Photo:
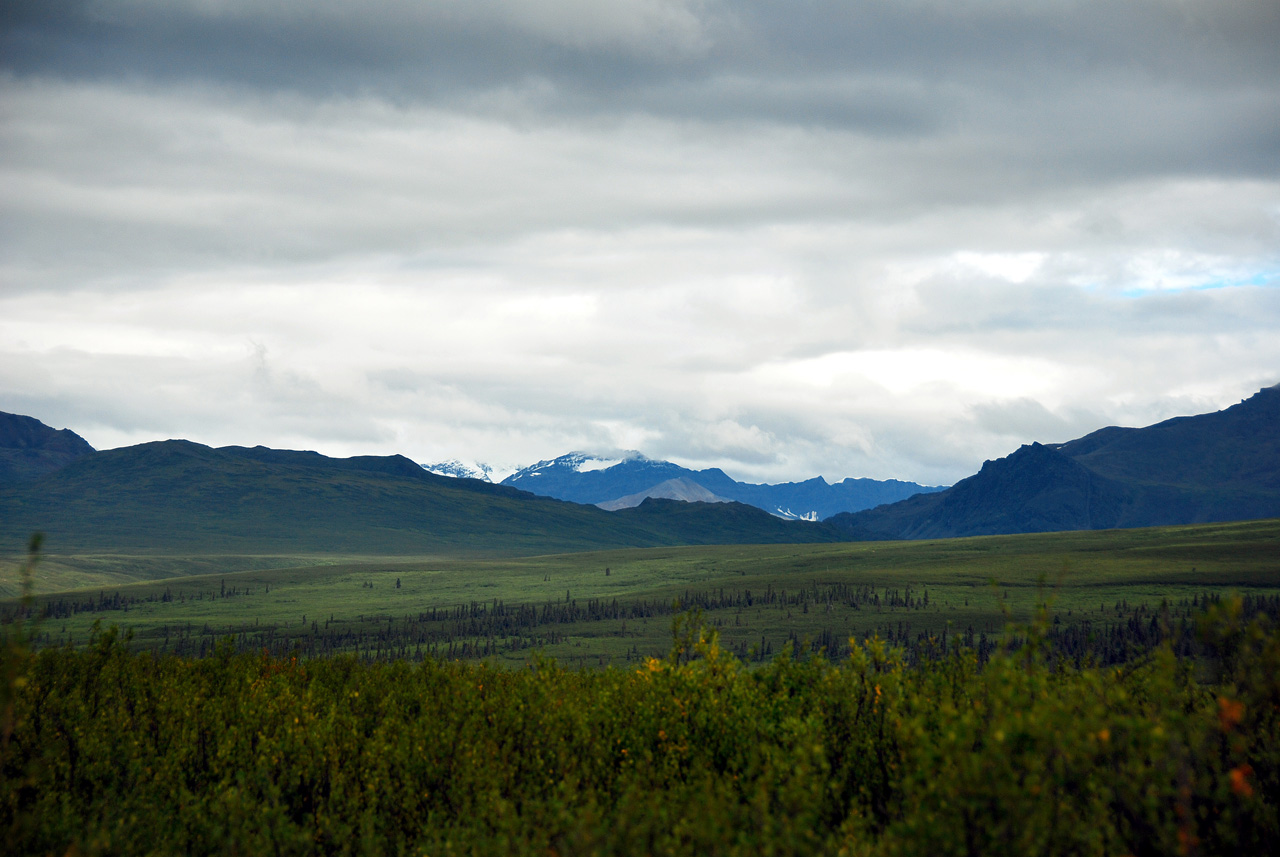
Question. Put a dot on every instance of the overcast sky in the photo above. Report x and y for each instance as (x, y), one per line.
(783, 237)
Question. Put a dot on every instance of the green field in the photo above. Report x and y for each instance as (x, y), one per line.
(966, 734)
(595, 608)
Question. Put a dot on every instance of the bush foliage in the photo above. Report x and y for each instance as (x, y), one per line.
(111, 751)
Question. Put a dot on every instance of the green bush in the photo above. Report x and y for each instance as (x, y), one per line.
(118, 752)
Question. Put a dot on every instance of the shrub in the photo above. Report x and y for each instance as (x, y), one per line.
(118, 752)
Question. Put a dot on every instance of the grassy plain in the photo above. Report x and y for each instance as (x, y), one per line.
(615, 606)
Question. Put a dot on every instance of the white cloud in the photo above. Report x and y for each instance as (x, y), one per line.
(912, 370)
(1014, 267)
(851, 241)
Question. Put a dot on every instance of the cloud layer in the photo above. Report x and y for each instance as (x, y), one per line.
(884, 239)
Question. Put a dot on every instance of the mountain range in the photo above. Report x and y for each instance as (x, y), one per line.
(179, 496)
(183, 497)
(613, 481)
(1223, 466)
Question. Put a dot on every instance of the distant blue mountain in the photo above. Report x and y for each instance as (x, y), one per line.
(584, 478)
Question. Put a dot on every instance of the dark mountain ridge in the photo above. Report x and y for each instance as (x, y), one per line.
(1223, 466)
(30, 449)
(179, 496)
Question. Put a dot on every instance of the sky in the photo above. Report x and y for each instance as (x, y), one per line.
(788, 238)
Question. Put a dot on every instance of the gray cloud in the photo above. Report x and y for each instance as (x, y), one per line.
(880, 238)
(1145, 85)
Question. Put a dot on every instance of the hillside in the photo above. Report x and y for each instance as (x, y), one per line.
(673, 489)
(582, 478)
(184, 497)
(1223, 466)
(30, 449)
(697, 523)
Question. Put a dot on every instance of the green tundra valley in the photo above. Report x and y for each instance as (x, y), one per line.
(1103, 692)
(615, 607)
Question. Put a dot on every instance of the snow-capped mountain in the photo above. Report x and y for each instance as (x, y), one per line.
(599, 478)
(464, 470)
(584, 477)
(578, 462)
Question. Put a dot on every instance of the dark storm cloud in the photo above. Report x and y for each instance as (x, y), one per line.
(882, 66)
(989, 100)
(324, 42)
(399, 49)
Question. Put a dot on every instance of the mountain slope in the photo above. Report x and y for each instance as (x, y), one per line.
(180, 496)
(1222, 466)
(680, 488)
(584, 478)
(723, 523)
(816, 499)
(30, 449)
(1239, 446)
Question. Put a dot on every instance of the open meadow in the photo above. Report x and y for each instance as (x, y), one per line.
(615, 607)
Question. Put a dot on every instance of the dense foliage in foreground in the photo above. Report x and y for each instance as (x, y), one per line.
(110, 751)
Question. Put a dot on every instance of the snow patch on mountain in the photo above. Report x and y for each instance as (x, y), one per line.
(789, 515)
(459, 469)
(578, 462)
(598, 464)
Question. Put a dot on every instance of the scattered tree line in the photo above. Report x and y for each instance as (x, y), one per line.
(1110, 635)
